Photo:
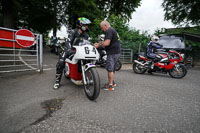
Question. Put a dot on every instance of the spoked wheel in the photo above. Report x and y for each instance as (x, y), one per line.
(139, 69)
(92, 88)
(179, 71)
(118, 65)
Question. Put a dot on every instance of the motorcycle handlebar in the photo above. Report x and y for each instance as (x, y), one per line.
(59, 45)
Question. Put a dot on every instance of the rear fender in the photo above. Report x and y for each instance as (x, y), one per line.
(142, 57)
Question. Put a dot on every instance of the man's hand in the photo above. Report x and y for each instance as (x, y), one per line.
(96, 45)
(100, 44)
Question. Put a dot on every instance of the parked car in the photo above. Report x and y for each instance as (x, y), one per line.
(172, 41)
(176, 42)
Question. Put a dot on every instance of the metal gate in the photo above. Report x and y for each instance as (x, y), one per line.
(13, 59)
(126, 56)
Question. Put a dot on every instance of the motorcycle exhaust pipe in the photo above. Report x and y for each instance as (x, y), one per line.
(135, 61)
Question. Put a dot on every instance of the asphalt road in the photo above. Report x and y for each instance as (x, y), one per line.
(140, 103)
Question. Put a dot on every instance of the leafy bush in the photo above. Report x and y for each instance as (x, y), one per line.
(129, 37)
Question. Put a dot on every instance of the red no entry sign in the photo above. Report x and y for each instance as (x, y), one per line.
(24, 38)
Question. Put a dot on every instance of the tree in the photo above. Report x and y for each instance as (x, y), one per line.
(58, 8)
(8, 9)
(43, 15)
(182, 12)
(118, 7)
(36, 15)
(80, 8)
(129, 38)
(31, 14)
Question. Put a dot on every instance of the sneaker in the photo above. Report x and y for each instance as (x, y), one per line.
(114, 84)
(56, 86)
(109, 88)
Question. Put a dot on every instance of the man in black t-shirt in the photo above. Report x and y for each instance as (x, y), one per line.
(112, 47)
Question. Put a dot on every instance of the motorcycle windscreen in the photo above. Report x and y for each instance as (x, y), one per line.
(172, 42)
(81, 41)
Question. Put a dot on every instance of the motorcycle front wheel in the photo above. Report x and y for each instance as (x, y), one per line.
(178, 71)
(139, 69)
(92, 86)
(118, 65)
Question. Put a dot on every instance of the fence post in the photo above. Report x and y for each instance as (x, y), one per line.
(131, 55)
(139, 48)
(41, 54)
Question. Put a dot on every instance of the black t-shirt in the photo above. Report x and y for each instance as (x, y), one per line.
(114, 47)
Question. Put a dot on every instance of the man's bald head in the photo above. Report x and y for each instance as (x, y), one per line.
(105, 25)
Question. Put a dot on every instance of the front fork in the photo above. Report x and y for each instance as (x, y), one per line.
(83, 72)
(176, 67)
(84, 68)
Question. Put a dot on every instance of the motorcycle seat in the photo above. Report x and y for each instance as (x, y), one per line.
(148, 57)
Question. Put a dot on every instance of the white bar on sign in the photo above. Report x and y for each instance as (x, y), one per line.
(24, 38)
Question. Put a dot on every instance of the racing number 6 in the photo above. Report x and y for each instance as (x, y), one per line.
(87, 50)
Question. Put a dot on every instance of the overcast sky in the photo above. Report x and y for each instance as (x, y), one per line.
(148, 17)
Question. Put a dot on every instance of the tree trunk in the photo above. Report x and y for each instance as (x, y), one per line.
(55, 19)
(8, 15)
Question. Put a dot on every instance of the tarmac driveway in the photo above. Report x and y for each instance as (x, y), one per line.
(140, 103)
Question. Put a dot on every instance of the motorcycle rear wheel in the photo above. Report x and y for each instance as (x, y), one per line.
(118, 65)
(178, 71)
(139, 69)
(92, 88)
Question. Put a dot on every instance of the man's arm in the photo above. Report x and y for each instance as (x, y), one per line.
(156, 45)
(102, 44)
(106, 43)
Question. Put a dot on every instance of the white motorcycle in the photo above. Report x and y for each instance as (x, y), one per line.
(80, 67)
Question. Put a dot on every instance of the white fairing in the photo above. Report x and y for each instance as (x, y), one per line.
(165, 59)
(85, 51)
